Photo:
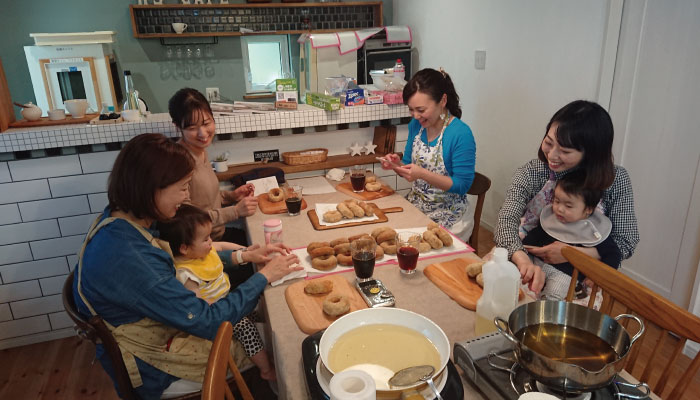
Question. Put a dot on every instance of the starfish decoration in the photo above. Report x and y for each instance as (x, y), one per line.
(355, 149)
(369, 148)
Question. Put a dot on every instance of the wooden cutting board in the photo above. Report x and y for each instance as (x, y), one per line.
(307, 309)
(379, 212)
(268, 207)
(346, 188)
(451, 277)
(45, 121)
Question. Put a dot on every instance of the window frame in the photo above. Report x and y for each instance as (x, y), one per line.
(285, 59)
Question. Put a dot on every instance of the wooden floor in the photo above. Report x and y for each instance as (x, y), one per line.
(64, 369)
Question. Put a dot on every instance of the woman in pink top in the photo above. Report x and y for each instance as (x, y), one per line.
(192, 115)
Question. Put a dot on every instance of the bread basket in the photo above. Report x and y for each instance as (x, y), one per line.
(309, 156)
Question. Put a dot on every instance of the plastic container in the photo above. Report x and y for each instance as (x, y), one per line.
(273, 230)
(399, 69)
(501, 289)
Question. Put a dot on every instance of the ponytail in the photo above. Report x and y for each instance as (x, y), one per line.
(435, 84)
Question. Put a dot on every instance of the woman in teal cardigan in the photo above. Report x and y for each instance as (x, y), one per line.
(440, 152)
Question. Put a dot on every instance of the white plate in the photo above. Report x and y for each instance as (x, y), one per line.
(324, 378)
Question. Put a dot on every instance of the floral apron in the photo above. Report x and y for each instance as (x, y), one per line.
(445, 208)
(165, 348)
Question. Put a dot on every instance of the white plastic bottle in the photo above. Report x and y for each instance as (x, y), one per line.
(501, 289)
(399, 70)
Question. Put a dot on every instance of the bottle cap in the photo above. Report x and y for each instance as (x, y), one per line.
(272, 223)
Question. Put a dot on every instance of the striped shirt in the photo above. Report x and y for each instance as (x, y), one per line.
(618, 201)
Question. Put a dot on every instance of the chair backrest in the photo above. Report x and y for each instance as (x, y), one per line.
(480, 186)
(95, 330)
(215, 386)
(658, 314)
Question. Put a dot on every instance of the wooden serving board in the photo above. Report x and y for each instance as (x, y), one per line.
(451, 277)
(307, 309)
(346, 187)
(45, 121)
(379, 212)
(269, 207)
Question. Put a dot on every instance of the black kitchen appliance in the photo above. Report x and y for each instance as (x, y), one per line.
(377, 54)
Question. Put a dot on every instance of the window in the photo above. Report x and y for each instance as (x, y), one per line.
(265, 58)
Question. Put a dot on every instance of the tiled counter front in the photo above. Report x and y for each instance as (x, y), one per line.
(47, 204)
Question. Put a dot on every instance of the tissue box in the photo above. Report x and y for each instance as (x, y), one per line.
(355, 97)
(328, 103)
(390, 97)
(374, 99)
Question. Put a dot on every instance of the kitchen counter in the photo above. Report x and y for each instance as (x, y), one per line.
(415, 293)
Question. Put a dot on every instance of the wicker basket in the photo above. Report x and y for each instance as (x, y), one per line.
(309, 156)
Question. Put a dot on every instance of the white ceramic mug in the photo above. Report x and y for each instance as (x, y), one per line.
(179, 27)
(57, 114)
(220, 166)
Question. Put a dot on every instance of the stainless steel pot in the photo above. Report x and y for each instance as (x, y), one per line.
(563, 374)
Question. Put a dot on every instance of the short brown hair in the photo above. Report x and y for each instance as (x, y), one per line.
(149, 162)
(181, 229)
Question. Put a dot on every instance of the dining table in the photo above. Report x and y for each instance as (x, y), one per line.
(412, 292)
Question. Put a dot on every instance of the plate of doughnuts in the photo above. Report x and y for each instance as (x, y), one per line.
(374, 189)
(349, 212)
(273, 202)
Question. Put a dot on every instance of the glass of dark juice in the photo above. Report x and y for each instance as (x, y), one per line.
(357, 178)
(293, 199)
(407, 251)
(363, 255)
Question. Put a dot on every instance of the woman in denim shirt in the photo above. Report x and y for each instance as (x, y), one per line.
(126, 275)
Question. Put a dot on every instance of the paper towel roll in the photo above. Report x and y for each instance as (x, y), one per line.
(352, 385)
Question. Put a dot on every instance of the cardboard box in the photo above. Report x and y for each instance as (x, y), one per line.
(328, 103)
(374, 99)
(286, 85)
(287, 96)
(355, 97)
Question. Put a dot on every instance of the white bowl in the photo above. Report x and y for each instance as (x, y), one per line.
(76, 107)
(131, 115)
(57, 114)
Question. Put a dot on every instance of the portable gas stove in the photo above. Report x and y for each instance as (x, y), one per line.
(488, 363)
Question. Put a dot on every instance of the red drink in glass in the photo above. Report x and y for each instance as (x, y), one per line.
(408, 258)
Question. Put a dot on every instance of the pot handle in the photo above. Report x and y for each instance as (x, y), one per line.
(639, 386)
(639, 321)
(500, 324)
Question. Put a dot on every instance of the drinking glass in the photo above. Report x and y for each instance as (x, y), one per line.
(293, 199)
(407, 251)
(357, 178)
(363, 255)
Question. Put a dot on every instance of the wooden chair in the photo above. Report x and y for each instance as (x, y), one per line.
(657, 313)
(95, 330)
(215, 386)
(479, 188)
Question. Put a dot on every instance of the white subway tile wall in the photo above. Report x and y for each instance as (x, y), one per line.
(47, 204)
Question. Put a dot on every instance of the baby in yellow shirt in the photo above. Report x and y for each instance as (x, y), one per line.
(200, 269)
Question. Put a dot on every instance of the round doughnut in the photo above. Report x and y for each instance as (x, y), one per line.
(332, 216)
(344, 259)
(444, 237)
(360, 236)
(389, 247)
(432, 225)
(432, 239)
(378, 253)
(343, 208)
(373, 186)
(369, 210)
(322, 251)
(377, 231)
(424, 247)
(318, 286)
(336, 305)
(342, 248)
(357, 210)
(275, 195)
(324, 263)
(370, 179)
(339, 241)
(388, 234)
(315, 245)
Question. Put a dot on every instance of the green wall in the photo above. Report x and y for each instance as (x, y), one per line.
(144, 57)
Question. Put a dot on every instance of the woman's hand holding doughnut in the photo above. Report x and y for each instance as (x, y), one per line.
(279, 267)
(247, 206)
(243, 191)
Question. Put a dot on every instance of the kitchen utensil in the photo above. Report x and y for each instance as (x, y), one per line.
(179, 27)
(30, 112)
(380, 213)
(346, 187)
(131, 115)
(20, 105)
(558, 369)
(76, 107)
(307, 310)
(411, 375)
(451, 278)
(57, 114)
(393, 316)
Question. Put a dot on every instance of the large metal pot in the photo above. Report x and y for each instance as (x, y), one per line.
(562, 372)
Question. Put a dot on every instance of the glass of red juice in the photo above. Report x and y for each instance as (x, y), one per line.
(407, 251)
(363, 256)
(357, 178)
(293, 199)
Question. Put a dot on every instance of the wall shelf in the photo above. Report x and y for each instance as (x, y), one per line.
(155, 21)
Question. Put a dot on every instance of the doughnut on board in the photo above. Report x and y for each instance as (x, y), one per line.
(307, 309)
